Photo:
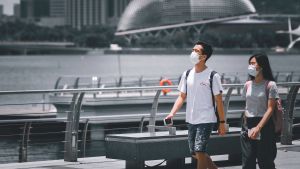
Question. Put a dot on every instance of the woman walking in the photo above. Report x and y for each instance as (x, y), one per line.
(258, 135)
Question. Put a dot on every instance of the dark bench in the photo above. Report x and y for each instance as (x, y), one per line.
(136, 148)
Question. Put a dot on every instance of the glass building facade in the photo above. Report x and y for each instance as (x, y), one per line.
(80, 13)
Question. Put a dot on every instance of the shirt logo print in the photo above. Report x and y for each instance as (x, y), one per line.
(203, 84)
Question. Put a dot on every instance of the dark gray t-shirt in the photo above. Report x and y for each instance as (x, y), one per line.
(256, 99)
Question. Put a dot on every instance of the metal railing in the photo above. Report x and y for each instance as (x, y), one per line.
(74, 82)
(74, 134)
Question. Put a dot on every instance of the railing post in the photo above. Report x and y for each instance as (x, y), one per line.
(152, 119)
(141, 84)
(119, 84)
(71, 137)
(99, 82)
(95, 84)
(57, 83)
(287, 131)
(227, 101)
(141, 124)
(44, 99)
(84, 137)
(24, 143)
(76, 83)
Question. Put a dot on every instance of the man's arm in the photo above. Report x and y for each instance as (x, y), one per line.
(220, 106)
(177, 105)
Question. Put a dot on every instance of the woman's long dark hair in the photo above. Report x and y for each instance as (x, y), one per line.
(263, 61)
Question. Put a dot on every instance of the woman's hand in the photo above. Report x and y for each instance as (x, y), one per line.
(253, 133)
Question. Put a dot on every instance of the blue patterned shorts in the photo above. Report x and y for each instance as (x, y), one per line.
(198, 136)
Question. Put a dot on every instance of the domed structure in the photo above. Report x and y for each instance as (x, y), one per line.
(141, 14)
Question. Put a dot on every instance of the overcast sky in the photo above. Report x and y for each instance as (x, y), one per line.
(8, 6)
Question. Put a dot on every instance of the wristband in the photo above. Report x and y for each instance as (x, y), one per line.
(222, 121)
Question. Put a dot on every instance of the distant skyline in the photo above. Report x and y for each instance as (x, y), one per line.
(8, 6)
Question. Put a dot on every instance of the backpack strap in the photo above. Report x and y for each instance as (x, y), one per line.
(247, 84)
(243, 116)
(211, 78)
(186, 76)
(187, 73)
(267, 87)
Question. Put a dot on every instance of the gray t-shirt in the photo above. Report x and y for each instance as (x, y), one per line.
(256, 99)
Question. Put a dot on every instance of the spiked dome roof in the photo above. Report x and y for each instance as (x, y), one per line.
(143, 14)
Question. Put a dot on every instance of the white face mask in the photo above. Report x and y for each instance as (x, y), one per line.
(252, 71)
(194, 57)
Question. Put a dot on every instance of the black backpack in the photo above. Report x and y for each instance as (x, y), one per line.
(216, 127)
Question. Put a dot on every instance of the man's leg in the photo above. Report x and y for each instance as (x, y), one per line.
(201, 141)
(191, 139)
(204, 161)
(210, 163)
(201, 160)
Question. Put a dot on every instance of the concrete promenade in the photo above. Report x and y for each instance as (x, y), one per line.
(288, 157)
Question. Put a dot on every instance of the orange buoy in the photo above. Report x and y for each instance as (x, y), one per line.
(165, 82)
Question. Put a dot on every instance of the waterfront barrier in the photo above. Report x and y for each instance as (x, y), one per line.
(75, 82)
(75, 131)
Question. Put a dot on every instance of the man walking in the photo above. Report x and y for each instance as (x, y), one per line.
(201, 93)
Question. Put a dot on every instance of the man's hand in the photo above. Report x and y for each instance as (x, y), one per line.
(170, 116)
(222, 129)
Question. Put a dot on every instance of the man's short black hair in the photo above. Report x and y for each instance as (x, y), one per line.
(207, 49)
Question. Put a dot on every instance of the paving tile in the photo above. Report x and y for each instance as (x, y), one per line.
(287, 158)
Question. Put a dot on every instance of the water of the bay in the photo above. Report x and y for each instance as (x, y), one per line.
(42, 71)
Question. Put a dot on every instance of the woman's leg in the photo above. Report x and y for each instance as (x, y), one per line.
(266, 150)
(248, 151)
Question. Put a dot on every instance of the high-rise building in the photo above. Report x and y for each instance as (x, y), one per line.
(80, 13)
(17, 12)
(48, 13)
(83, 12)
(1, 10)
(32, 9)
(57, 8)
(57, 15)
(76, 13)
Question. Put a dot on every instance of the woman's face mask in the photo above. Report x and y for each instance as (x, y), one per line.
(252, 70)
